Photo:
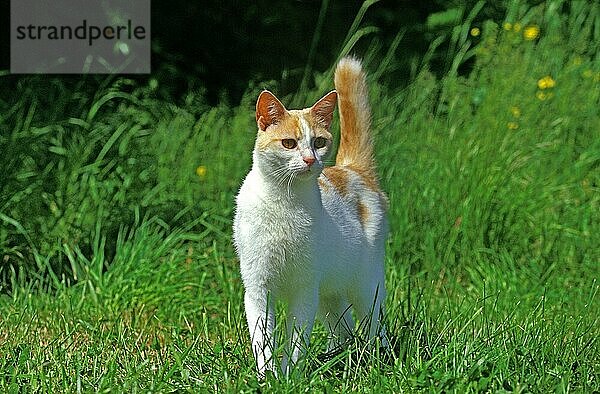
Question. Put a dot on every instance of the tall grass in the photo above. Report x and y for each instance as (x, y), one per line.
(117, 266)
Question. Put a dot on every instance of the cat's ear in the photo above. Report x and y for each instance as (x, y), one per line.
(269, 110)
(323, 109)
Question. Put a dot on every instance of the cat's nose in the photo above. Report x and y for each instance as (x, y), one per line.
(309, 160)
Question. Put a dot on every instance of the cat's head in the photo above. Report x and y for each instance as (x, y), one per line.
(293, 144)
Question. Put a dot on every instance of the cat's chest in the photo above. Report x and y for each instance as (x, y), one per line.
(276, 221)
(280, 231)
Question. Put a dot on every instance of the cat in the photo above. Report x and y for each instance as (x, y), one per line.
(309, 235)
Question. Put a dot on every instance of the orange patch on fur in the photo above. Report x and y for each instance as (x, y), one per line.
(287, 127)
(367, 176)
(350, 146)
(318, 129)
(323, 185)
(338, 177)
(363, 213)
(355, 115)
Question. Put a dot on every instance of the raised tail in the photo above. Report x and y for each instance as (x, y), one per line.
(356, 147)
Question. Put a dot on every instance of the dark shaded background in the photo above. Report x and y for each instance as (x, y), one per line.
(219, 46)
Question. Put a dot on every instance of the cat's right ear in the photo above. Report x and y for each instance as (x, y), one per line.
(269, 110)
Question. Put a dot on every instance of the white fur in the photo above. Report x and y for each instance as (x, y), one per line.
(306, 246)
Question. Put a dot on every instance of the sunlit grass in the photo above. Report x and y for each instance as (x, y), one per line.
(115, 205)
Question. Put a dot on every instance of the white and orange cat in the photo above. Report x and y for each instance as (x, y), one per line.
(309, 235)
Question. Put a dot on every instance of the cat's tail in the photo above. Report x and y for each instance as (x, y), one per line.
(356, 147)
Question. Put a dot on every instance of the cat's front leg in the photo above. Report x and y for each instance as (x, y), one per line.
(260, 314)
(300, 320)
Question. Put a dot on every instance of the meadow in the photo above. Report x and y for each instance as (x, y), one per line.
(117, 271)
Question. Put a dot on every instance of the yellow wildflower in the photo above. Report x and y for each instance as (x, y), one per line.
(507, 26)
(516, 112)
(512, 125)
(588, 73)
(546, 83)
(577, 61)
(475, 32)
(201, 171)
(531, 32)
(517, 27)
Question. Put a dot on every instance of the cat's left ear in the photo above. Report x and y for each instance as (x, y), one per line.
(269, 110)
(323, 109)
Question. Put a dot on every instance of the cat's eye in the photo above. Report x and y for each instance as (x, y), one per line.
(319, 142)
(289, 143)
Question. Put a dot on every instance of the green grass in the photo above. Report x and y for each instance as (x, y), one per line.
(118, 272)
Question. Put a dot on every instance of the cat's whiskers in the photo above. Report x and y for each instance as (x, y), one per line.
(286, 176)
(283, 175)
(289, 184)
(279, 174)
